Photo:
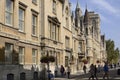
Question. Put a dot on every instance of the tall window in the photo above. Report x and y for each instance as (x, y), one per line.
(67, 23)
(54, 6)
(75, 45)
(21, 19)
(57, 33)
(9, 12)
(86, 31)
(67, 42)
(53, 30)
(21, 55)
(34, 24)
(34, 56)
(80, 47)
(49, 29)
(95, 28)
(66, 61)
(8, 53)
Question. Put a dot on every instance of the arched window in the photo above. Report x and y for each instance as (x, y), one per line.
(67, 10)
(94, 23)
(35, 75)
(81, 27)
(94, 28)
(10, 76)
(86, 31)
(22, 76)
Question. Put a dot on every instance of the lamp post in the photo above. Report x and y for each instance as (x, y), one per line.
(56, 66)
(47, 59)
(48, 67)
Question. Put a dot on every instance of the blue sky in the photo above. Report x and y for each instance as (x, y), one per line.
(109, 12)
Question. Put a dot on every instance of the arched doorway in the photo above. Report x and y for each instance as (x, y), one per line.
(10, 76)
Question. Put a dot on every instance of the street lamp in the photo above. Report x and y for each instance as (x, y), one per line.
(47, 59)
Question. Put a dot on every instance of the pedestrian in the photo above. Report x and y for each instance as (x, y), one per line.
(95, 73)
(62, 70)
(99, 68)
(118, 64)
(56, 71)
(92, 72)
(68, 72)
(114, 65)
(84, 68)
(106, 71)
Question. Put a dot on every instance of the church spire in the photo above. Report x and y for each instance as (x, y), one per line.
(78, 5)
(86, 15)
(78, 14)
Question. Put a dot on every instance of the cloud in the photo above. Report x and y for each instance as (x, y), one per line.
(105, 5)
(104, 19)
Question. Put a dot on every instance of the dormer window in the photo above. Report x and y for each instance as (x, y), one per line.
(34, 1)
(54, 6)
(66, 11)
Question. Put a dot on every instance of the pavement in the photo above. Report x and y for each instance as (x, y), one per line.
(81, 76)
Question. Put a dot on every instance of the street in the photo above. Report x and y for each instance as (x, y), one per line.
(112, 76)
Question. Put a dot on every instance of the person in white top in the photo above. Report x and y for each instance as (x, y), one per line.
(68, 72)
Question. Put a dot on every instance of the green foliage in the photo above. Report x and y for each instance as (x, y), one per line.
(112, 53)
(46, 59)
(51, 58)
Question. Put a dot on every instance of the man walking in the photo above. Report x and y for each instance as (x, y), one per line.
(84, 69)
(68, 72)
(106, 71)
(95, 73)
(62, 70)
(92, 72)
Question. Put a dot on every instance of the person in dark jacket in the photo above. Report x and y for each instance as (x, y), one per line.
(84, 68)
(106, 71)
(92, 72)
(62, 70)
(95, 73)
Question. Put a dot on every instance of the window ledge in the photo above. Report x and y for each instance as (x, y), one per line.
(21, 32)
(34, 35)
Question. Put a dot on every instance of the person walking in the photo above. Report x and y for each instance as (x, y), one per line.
(99, 69)
(106, 71)
(84, 68)
(92, 72)
(62, 70)
(68, 72)
(95, 73)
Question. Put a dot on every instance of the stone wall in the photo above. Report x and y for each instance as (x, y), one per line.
(29, 70)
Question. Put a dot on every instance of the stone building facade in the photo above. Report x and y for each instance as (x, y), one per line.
(30, 29)
(19, 39)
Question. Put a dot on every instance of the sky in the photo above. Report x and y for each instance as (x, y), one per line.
(109, 12)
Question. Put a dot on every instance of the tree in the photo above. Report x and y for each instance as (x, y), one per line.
(112, 53)
(116, 56)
